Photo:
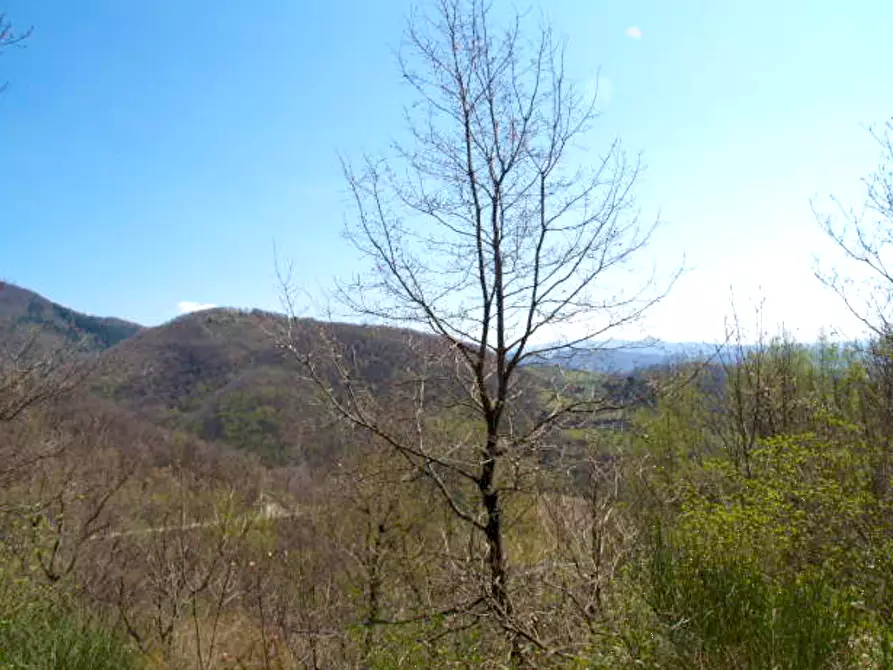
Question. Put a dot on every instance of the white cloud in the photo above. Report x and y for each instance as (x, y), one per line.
(634, 32)
(187, 306)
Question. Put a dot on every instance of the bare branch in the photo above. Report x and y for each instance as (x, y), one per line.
(866, 237)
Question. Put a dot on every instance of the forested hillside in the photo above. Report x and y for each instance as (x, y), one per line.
(25, 316)
(737, 516)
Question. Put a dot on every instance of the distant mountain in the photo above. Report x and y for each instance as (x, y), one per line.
(24, 313)
(624, 357)
(218, 375)
(196, 357)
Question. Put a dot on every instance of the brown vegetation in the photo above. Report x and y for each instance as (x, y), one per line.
(240, 489)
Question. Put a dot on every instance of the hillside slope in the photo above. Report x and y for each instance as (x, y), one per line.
(219, 375)
(25, 314)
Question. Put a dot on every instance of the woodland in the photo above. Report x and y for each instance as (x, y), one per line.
(436, 484)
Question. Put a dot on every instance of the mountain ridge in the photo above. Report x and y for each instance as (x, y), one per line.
(25, 313)
(21, 308)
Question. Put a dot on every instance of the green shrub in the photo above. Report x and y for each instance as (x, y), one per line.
(39, 630)
(726, 612)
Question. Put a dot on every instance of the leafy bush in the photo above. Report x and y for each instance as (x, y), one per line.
(724, 611)
(787, 567)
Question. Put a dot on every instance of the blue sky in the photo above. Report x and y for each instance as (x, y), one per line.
(152, 152)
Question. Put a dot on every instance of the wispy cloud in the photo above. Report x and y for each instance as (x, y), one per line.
(634, 32)
(187, 306)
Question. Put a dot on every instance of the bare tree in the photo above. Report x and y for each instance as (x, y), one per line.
(867, 238)
(495, 230)
(30, 375)
(33, 376)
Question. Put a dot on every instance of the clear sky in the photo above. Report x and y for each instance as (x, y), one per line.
(152, 152)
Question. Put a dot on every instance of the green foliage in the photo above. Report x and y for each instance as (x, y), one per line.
(428, 644)
(777, 569)
(250, 424)
(784, 560)
(722, 610)
(41, 629)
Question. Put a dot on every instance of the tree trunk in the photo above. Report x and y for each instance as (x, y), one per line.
(496, 558)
